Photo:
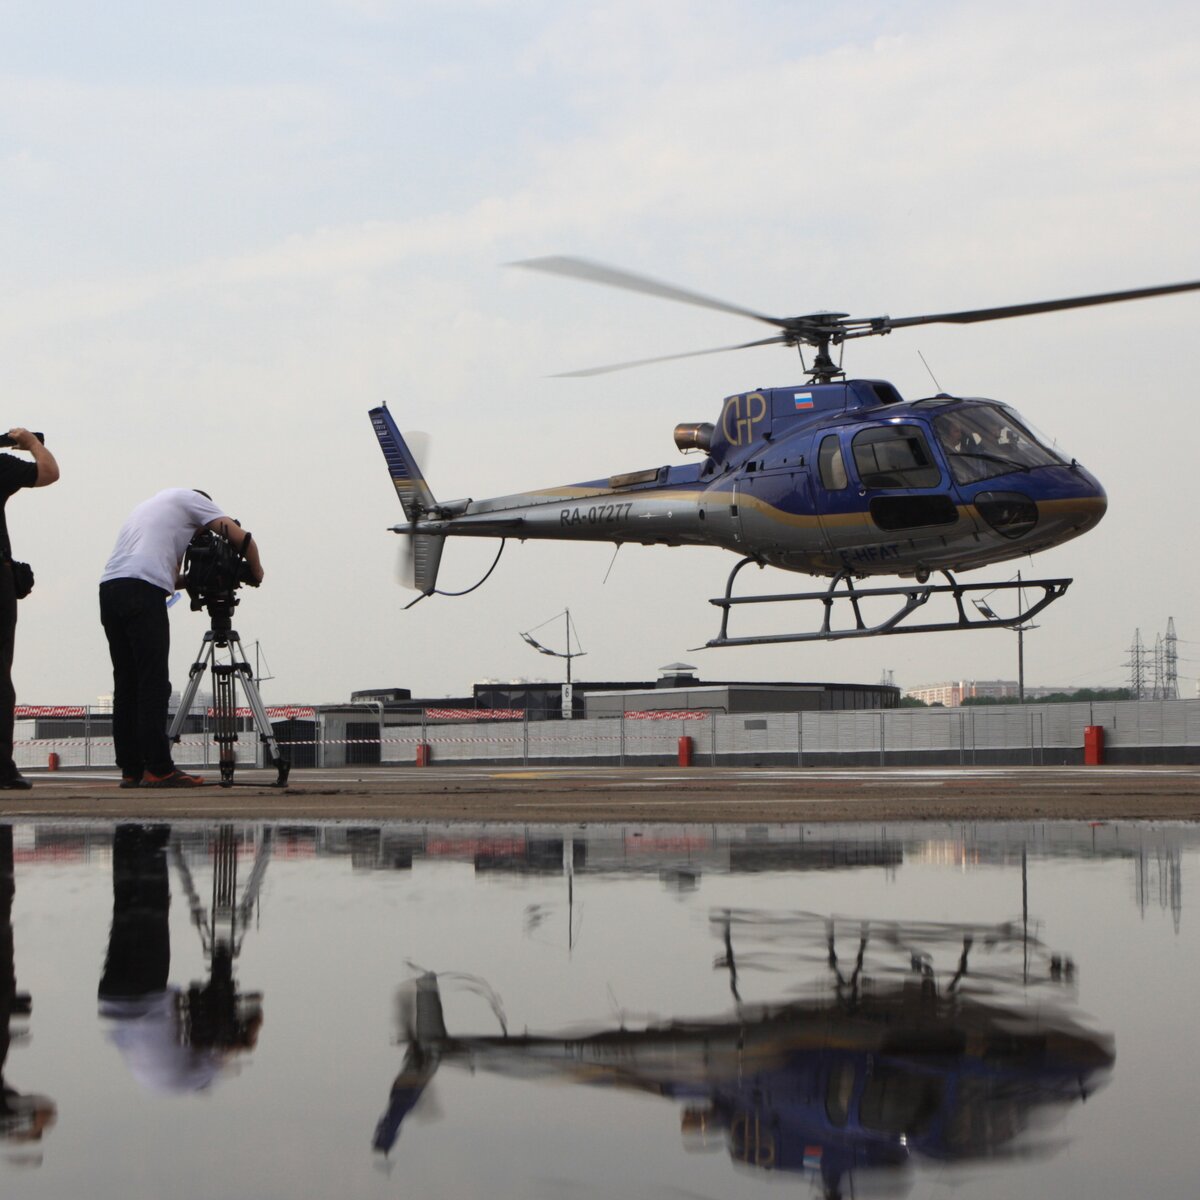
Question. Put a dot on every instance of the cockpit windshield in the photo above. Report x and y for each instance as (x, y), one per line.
(986, 440)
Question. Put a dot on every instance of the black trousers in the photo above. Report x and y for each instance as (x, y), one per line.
(8, 695)
(134, 615)
(139, 945)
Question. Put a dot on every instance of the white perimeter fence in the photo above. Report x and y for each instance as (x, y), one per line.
(1157, 731)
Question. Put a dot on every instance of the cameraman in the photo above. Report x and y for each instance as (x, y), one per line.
(15, 474)
(142, 573)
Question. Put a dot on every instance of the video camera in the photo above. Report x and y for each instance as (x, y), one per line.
(213, 569)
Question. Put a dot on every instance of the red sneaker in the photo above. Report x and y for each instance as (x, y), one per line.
(173, 779)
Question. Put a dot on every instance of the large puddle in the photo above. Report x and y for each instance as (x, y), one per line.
(506, 1011)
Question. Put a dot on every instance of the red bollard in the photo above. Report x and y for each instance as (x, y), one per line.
(52, 762)
(686, 745)
(423, 754)
(1093, 745)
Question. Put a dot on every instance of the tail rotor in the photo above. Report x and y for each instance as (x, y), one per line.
(420, 552)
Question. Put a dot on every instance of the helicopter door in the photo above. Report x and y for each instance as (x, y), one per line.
(769, 494)
(842, 512)
(904, 498)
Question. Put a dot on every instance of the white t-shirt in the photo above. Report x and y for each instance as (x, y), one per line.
(152, 541)
(146, 1031)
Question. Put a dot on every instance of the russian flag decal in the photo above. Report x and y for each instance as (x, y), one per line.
(802, 399)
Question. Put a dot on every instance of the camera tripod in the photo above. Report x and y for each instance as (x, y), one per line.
(225, 676)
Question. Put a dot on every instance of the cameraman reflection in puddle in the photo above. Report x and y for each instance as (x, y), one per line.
(171, 1040)
(142, 572)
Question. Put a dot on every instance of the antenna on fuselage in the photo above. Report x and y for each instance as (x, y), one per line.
(612, 562)
(941, 390)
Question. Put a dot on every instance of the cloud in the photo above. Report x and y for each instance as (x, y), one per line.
(219, 271)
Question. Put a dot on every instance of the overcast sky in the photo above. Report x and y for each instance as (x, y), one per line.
(232, 229)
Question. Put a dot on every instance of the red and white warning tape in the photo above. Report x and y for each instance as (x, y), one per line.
(668, 714)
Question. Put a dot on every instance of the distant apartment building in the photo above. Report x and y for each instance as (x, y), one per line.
(954, 693)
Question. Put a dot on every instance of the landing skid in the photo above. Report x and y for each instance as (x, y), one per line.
(842, 591)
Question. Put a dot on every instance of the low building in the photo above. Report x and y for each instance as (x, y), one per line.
(740, 698)
(952, 694)
(677, 688)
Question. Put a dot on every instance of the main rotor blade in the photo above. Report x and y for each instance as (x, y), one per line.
(594, 272)
(967, 317)
(643, 362)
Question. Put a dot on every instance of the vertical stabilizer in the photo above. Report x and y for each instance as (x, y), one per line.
(430, 1025)
(426, 1029)
(411, 488)
(426, 555)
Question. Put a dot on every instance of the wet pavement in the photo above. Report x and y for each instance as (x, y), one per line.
(525, 1009)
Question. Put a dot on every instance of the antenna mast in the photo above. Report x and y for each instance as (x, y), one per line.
(569, 654)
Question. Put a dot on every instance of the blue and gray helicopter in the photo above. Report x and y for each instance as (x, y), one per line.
(840, 478)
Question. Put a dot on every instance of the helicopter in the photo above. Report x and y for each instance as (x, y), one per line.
(837, 477)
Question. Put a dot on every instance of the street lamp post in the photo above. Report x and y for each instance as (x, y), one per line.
(987, 611)
(567, 697)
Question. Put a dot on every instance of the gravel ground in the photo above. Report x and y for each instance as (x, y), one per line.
(602, 794)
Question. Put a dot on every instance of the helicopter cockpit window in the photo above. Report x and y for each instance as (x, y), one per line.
(986, 440)
(839, 1093)
(894, 456)
(897, 1100)
(831, 464)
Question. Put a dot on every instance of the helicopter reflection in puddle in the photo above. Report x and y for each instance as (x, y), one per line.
(889, 1061)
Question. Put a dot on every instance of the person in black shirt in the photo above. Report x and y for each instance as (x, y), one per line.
(15, 473)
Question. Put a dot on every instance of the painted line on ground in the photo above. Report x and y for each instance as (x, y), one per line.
(694, 802)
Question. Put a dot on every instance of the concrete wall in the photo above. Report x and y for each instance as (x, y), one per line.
(1166, 731)
(1034, 734)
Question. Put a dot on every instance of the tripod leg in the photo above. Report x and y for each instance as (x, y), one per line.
(203, 658)
(261, 721)
(225, 718)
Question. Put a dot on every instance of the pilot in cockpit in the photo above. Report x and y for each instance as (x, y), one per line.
(957, 438)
